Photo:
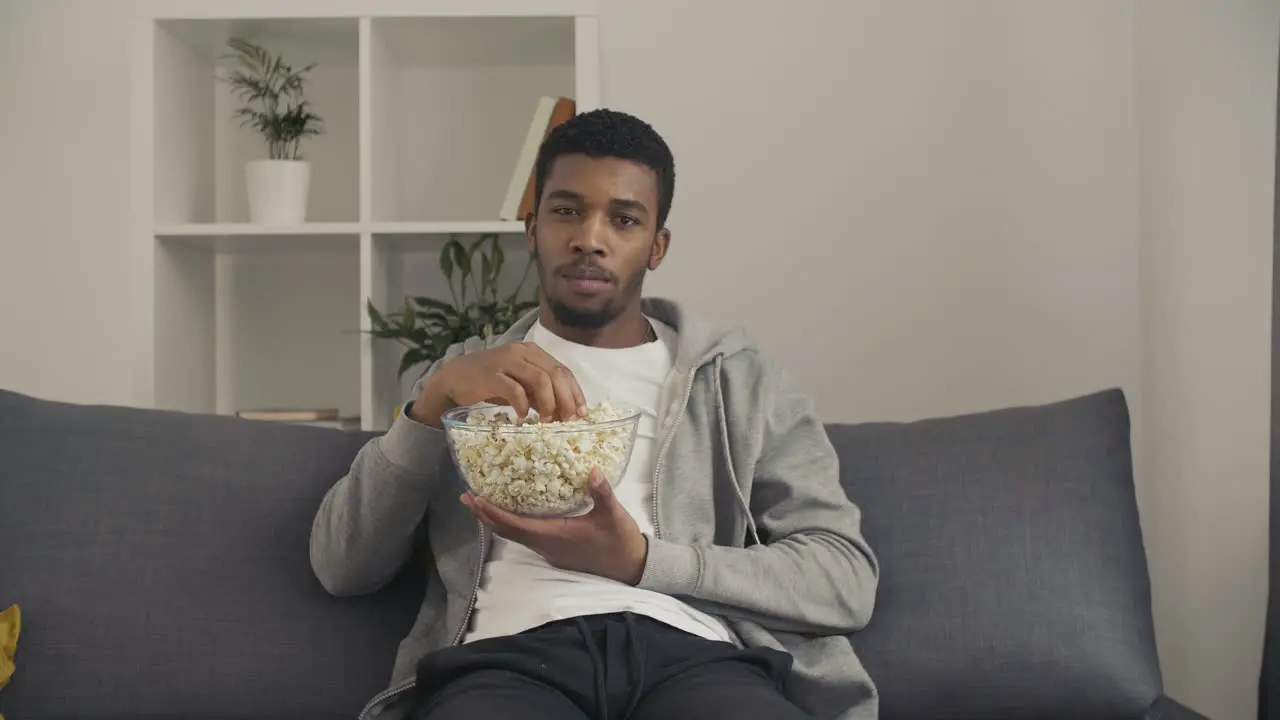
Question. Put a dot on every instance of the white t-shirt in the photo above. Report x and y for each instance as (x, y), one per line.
(519, 590)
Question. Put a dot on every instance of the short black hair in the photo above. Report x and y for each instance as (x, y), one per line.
(609, 133)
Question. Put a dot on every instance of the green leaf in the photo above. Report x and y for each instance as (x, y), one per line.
(433, 316)
(411, 357)
(375, 317)
(486, 275)
(429, 302)
(440, 343)
(461, 259)
(475, 246)
(446, 261)
(272, 93)
(499, 259)
(418, 336)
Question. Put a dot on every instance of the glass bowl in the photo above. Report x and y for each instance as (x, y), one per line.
(537, 469)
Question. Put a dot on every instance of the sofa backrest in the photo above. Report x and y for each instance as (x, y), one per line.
(1014, 579)
(161, 563)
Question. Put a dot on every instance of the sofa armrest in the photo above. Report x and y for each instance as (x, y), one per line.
(1166, 708)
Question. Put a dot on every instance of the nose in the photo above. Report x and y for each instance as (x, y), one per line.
(590, 234)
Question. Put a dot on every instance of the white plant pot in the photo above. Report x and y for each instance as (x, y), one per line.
(278, 191)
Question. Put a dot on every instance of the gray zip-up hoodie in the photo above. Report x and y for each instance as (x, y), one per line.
(751, 523)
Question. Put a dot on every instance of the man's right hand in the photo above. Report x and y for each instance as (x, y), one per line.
(521, 375)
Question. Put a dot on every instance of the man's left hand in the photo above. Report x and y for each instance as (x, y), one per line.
(605, 541)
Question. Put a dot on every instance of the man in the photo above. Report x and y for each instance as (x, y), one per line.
(719, 579)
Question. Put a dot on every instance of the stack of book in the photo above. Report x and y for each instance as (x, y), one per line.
(321, 417)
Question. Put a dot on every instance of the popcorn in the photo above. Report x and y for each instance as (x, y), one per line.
(541, 468)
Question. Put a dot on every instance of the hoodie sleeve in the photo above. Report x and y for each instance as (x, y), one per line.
(812, 572)
(368, 523)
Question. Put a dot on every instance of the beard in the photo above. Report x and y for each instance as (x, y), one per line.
(589, 318)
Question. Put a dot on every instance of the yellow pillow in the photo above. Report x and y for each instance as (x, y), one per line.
(10, 624)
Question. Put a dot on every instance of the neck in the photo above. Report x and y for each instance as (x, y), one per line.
(627, 330)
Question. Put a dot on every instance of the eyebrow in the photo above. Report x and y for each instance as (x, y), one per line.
(615, 203)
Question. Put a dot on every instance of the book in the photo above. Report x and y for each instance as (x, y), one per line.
(549, 113)
(290, 414)
(348, 424)
(322, 418)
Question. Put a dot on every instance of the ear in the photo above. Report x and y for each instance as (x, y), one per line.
(531, 230)
(658, 248)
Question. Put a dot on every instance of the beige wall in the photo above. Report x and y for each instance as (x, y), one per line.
(1206, 82)
(64, 200)
(985, 202)
(948, 187)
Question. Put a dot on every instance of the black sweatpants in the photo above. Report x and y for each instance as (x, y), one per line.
(612, 667)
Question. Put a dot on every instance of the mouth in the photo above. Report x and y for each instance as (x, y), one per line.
(586, 280)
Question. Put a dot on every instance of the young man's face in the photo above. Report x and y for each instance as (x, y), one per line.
(595, 235)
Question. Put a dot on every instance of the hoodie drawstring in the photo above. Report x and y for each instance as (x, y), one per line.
(728, 457)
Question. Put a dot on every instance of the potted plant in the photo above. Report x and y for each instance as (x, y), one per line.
(273, 103)
(427, 326)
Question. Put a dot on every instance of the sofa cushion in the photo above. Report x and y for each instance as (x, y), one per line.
(1014, 579)
(161, 563)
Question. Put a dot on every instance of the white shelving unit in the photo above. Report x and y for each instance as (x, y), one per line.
(425, 103)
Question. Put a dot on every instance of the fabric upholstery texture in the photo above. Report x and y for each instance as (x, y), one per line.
(1014, 581)
(161, 563)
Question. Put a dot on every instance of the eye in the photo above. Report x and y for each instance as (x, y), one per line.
(627, 220)
(563, 211)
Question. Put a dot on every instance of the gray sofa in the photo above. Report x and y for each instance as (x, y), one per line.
(160, 560)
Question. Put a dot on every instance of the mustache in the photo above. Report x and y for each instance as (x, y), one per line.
(584, 271)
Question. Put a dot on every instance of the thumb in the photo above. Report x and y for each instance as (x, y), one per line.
(600, 490)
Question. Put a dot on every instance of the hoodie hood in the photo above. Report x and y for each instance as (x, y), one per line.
(699, 342)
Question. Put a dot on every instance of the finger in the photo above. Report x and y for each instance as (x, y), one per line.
(568, 393)
(537, 383)
(477, 507)
(526, 531)
(512, 393)
(546, 365)
(579, 397)
(601, 491)
(472, 503)
(570, 399)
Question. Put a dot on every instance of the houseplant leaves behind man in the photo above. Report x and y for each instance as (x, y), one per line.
(427, 326)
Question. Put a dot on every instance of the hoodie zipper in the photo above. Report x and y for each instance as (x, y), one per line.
(475, 588)
(384, 696)
(666, 443)
(390, 693)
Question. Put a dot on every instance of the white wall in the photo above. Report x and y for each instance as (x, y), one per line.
(964, 190)
(1206, 106)
(64, 200)
(949, 186)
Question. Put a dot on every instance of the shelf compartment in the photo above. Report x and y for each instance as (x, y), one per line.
(261, 329)
(402, 265)
(449, 102)
(200, 149)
